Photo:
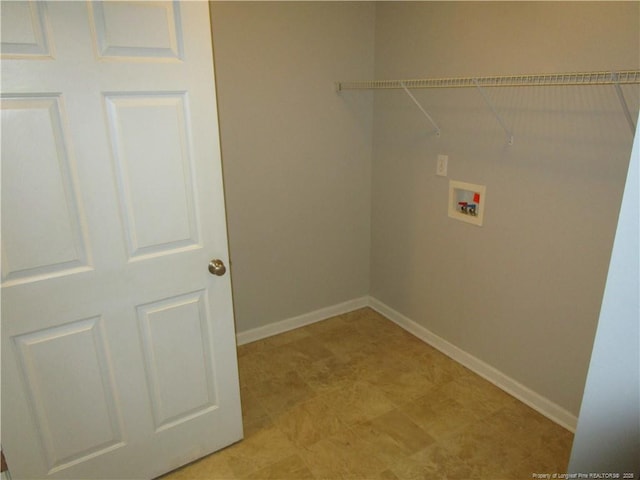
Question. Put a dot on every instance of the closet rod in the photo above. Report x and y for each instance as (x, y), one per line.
(625, 77)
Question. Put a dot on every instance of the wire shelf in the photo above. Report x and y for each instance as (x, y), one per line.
(534, 80)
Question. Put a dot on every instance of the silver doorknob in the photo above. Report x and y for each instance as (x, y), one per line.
(216, 267)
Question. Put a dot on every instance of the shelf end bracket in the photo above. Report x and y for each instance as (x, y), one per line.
(437, 128)
(495, 113)
(623, 102)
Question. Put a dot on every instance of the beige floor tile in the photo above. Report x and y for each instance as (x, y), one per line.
(549, 448)
(366, 315)
(282, 392)
(250, 404)
(439, 415)
(278, 361)
(290, 468)
(547, 435)
(357, 397)
(359, 402)
(214, 467)
(252, 347)
(286, 338)
(385, 357)
(380, 444)
(311, 348)
(342, 456)
(258, 451)
(435, 367)
(347, 343)
(437, 375)
(471, 441)
(401, 387)
(254, 416)
(544, 460)
(415, 348)
(330, 374)
(387, 475)
(492, 470)
(434, 462)
(477, 394)
(309, 422)
(250, 368)
(373, 325)
(451, 367)
(256, 425)
(326, 326)
(491, 454)
(403, 430)
(523, 425)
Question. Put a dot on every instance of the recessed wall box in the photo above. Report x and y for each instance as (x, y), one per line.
(467, 201)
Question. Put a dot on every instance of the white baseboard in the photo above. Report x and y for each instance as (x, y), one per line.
(282, 326)
(536, 401)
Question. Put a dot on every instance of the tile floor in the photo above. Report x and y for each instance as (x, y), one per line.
(357, 397)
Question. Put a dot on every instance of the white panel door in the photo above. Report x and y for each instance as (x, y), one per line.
(118, 345)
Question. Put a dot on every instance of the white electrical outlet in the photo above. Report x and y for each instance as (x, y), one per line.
(441, 167)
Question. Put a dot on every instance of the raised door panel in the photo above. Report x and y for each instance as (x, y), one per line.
(47, 238)
(154, 172)
(178, 358)
(138, 30)
(24, 30)
(70, 387)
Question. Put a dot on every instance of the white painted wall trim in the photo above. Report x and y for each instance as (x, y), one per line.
(536, 401)
(282, 326)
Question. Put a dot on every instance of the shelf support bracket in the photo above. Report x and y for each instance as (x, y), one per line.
(495, 113)
(437, 128)
(623, 102)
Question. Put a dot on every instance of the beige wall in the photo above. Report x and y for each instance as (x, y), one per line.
(333, 196)
(523, 292)
(296, 156)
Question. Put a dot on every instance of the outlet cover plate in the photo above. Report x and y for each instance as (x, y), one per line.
(441, 167)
